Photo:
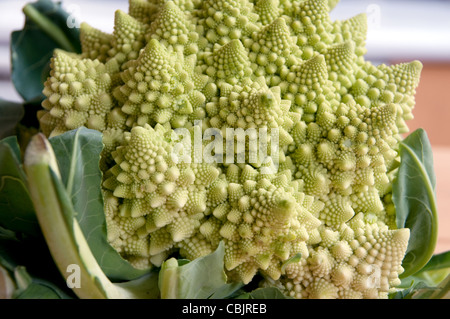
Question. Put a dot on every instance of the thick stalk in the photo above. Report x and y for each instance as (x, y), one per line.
(168, 279)
(64, 237)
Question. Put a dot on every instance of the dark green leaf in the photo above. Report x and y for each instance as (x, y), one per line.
(38, 291)
(16, 208)
(78, 155)
(6, 234)
(10, 115)
(11, 141)
(35, 288)
(31, 258)
(415, 200)
(45, 29)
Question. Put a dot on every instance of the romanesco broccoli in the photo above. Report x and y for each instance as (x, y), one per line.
(277, 65)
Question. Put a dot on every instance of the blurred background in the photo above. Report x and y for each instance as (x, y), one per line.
(399, 31)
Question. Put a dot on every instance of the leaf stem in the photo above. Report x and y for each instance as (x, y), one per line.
(50, 211)
(63, 235)
(168, 279)
(48, 27)
(50, 214)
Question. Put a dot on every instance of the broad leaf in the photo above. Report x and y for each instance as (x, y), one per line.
(75, 250)
(198, 279)
(18, 256)
(16, 208)
(63, 235)
(45, 29)
(227, 291)
(145, 287)
(78, 156)
(436, 270)
(442, 291)
(10, 115)
(415, 200)
(30, 287)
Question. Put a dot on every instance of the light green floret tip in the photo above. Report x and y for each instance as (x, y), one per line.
(77, 94)
(357, 260)
(264, 222)
(307, 205)
(171, 28)
(161, 87)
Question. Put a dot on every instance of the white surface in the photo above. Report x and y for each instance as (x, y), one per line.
(99, 14)
(400, 29)
(8, 92)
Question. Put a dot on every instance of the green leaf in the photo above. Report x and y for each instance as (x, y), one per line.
(6, 234)
(45, 29)
(442, 291)
(10, 115)
(63, 234)
(16, 208)
(408, 290)
(227, 291)
(428, 278)
(35, 288)
(78, 155)
(438, 262)
(436, 270)
(414, 198)
(198, 279)
(12, 143)
(38, 291)
(19, 256)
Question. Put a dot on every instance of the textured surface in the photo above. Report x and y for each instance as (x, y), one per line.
(279, 65)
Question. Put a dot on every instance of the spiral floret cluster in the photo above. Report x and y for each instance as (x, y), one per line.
(281, 66)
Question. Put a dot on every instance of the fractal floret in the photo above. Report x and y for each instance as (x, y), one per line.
(256, 123)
